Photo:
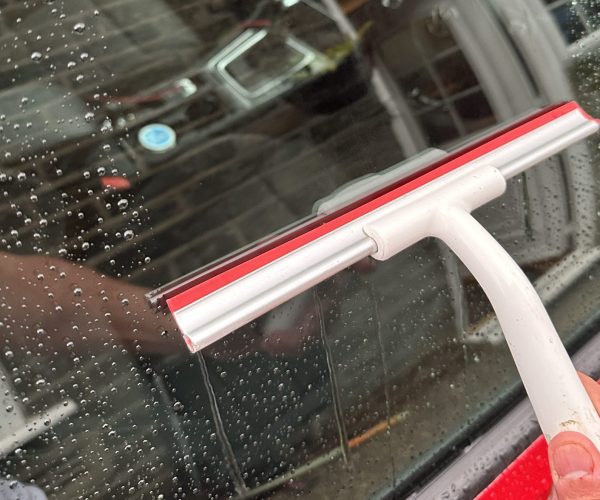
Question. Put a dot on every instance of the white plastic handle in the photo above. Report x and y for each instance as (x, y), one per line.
(557, 395)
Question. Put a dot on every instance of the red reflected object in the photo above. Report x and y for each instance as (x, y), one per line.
(115, 182)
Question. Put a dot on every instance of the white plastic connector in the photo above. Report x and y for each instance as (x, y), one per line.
(409, 219)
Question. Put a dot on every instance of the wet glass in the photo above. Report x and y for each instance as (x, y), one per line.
(141, 140)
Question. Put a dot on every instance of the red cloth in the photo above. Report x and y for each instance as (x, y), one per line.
(527, 478)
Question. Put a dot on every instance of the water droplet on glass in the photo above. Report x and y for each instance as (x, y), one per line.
(122, 204)
(89, 116)
(36, 56)
(79, 28)
(128, 235)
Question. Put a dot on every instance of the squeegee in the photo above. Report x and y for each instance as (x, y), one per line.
(430, 201)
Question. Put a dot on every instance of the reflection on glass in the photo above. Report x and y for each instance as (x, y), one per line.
(267, 60)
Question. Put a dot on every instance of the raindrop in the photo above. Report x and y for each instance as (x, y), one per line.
(89, 116)
(36, 56)
(79, 28)
(128, 235)
(122, 204)
(21, 176)
(9, 355)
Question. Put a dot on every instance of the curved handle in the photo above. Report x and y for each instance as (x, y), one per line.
(558, 398)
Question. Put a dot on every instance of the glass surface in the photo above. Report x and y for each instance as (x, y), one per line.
(364, 383)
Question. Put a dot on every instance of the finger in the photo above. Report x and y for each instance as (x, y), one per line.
(575, 466)
(592, 388)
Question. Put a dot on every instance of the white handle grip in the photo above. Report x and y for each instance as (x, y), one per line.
(559, 400)
(557, 395)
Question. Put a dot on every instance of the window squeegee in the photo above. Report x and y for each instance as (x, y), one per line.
(435, 202)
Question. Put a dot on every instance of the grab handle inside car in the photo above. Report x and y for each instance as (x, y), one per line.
(435, 202)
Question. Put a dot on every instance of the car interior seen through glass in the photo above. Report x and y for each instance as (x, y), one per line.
(145, 141)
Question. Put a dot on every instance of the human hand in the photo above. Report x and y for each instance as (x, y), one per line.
(574, 460)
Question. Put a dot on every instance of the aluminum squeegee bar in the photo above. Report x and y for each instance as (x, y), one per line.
(210, 309)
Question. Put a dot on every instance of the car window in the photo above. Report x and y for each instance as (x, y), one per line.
(142, 140)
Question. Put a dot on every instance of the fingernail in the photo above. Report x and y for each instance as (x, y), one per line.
(572, 460)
